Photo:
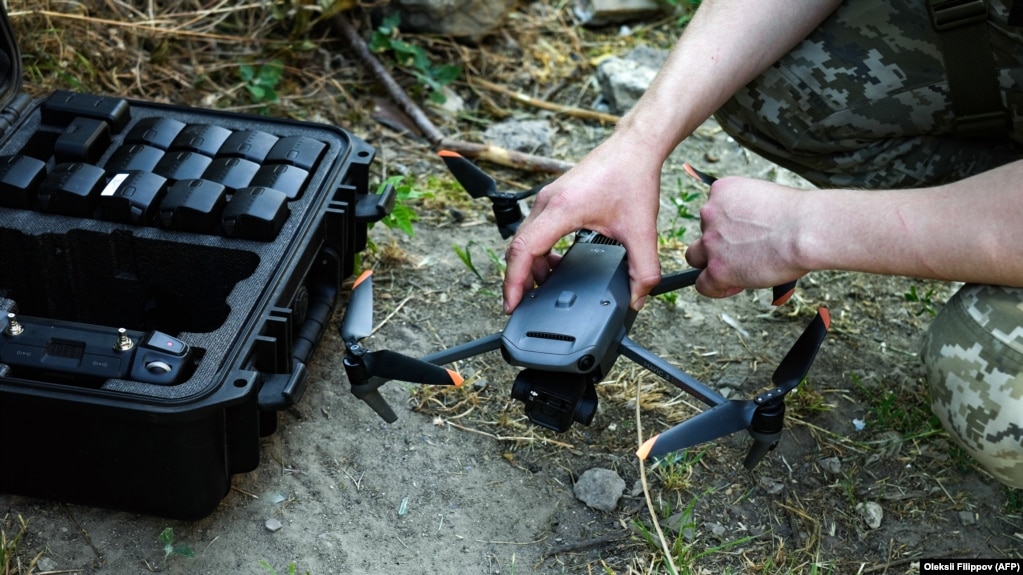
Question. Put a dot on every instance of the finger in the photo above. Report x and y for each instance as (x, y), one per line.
(644, 268)
(696, 255)
(532, 242)
(707, 285)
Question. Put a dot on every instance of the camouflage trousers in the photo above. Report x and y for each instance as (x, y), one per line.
(863, 102)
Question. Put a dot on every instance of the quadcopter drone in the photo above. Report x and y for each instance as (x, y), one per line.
(566, 335)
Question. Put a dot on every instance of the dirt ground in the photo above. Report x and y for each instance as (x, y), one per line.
(463, 484)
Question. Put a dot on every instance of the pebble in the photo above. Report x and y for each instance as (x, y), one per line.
(599, 488)
(273, 525)
(871, 512)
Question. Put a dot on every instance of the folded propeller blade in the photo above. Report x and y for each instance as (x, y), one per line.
(724, 419)
(393, 365)
(735, 415)
(358, 319)
(475, 181)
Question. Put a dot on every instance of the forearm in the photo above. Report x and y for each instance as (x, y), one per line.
(970, 231)
(727, 44)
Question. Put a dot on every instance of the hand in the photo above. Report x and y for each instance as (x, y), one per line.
(611, 192)
(750, 237)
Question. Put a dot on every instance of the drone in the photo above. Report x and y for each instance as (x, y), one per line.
(566, 335)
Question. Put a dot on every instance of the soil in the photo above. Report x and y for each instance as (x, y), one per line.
(462, 483)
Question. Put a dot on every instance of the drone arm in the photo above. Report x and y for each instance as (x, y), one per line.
(466, 350)
(661, 368)
(675, 281)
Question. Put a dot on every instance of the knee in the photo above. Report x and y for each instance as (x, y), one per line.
(973, 357)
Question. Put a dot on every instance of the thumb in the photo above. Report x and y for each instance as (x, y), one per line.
(644, 268)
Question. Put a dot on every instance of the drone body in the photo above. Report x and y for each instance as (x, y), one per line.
(567, 334)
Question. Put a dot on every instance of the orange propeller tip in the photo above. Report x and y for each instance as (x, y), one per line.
(826, 316)
(784, 299)
(362, 277)
(448, 154)
(644, 450)
(456, 378)
(691, 171)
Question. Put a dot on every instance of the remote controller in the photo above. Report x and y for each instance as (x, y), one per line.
(85, 354)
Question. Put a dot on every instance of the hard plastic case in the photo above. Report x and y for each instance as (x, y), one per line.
(244, 283)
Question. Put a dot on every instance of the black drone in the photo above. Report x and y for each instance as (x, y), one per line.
(566, 335)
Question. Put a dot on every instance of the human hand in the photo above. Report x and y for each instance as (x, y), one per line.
(611, 192)
(751, 230)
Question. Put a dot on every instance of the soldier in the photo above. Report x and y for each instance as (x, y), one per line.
(902, 112)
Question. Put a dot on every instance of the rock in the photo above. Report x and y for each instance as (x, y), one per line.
(472, 18)
(871, 512)
(273, 525)
(831, 465)
(603, 12)
(528, 136)
(599, 488)
(623, 80)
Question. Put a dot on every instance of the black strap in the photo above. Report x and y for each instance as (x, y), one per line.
(970, 67)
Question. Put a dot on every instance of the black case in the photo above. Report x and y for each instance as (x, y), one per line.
(243, 278)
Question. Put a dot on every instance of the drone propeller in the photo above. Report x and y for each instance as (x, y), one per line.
(362, 365)
(480, 185)
(762, 416)
(782, 293)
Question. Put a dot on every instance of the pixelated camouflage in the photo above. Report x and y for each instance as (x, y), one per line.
(973, 354)
(863, 101)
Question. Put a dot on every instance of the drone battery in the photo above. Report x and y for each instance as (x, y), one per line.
(297, 151)
(233, 173)
(204, 139)
(83, 140)
(20, 177)
(255, 213)
(132, 157)
(71, 189)
(158, 132)
(63, 107)
(193, 206)
(288, 179)
(251, 145)
(132, 197)
(182, 165)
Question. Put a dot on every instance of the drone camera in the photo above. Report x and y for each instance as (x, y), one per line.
(556, 399)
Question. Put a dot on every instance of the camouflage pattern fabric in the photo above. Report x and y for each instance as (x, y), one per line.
(863, 102)
(973, 354)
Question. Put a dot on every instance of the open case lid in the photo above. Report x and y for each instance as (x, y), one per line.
(10, 60)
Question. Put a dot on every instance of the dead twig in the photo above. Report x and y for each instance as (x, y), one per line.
(494, 154)
(581, 113)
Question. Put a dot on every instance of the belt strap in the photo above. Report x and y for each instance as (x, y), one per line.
(970, 67)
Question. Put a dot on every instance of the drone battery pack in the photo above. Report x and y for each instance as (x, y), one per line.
(166, 273)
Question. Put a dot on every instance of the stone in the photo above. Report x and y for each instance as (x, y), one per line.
(467, 18)
(599, 488)
(527, 136)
